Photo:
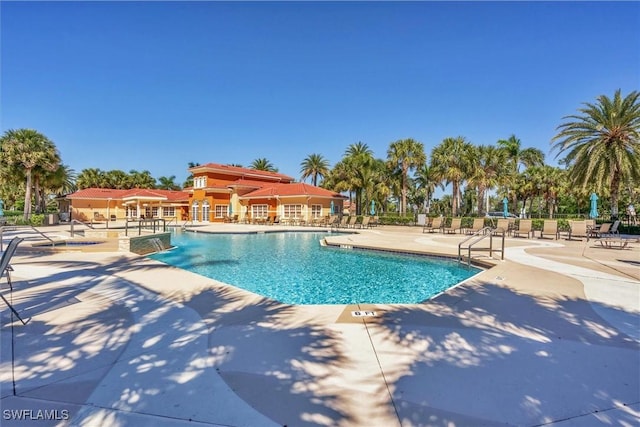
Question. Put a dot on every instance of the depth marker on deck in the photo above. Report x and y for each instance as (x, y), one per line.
(364, 313)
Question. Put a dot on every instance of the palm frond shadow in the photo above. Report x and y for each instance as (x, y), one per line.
(482, 345)
(145, 341)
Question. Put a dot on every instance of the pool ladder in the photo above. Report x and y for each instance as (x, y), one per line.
(477, 237)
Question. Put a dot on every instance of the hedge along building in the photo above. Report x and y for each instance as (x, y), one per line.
(222, 191)
(99, 204)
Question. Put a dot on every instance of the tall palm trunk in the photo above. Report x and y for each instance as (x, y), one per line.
(37, 193)
(27, 196)
(455, 202)
(615, 194)
(403, 194)
(481, 202)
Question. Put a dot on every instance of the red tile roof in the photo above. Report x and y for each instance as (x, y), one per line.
(243, 172)
(108, 193)
(292, 190)
(248, 183)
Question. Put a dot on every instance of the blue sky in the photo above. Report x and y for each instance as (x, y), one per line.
(156, 85)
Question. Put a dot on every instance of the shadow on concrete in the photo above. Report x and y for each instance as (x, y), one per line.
(122, 347)
(272, 363)
(488, 355)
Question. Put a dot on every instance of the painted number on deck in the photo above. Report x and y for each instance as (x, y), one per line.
(363, 314)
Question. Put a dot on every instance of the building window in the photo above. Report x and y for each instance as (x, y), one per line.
(194, 210)
(316, 211)
(205, 211)
(259, 211)
(169, 211)
(200, 182)
(131, 212)
(221, 211)
(292, 211)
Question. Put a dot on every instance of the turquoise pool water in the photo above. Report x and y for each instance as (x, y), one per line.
(293, 268)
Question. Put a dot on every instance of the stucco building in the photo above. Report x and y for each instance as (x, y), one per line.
(219, 193)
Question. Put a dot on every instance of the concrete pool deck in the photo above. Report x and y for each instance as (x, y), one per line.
(549, 336)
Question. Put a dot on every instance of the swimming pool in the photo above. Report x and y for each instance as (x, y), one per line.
(293, 268)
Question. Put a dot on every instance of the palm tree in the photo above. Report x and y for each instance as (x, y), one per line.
(91, 178)
(358, 149)
(168, 183)
(489, 165)
(141, 179)
(314, 166)
(189, 181)
(451, 162)
(28, 149)
(603, 144)
(517, 156)
(405, 154)
(61, 181)
(56, 183)
(117, 179)
(427, 181)
(262, 164)
(358, 160)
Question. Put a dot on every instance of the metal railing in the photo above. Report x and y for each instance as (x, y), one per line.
(13, 227)
(77, 221)
(155, 225)
(172, 220)
(479, 236)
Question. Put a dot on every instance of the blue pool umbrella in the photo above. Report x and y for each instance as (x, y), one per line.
(505, 207)
(332, 208)
(593, 213)
(230, 209)
(373, 207)
(1, 206)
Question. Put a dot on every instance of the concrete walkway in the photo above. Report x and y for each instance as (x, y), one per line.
(549, 336)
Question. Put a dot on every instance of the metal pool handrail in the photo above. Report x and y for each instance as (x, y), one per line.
(13, 227)
(479, 236)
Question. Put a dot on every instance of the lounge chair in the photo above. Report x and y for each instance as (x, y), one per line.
(344, 221)
(478, 224)
(352, 221)
(365, 222)
(578, 229)
(436, 224)
(5, 269)
(550, 226)
(99, 217)
(524, 227)
(602, 231)
(614, 228)
(456, 224)
(614, 243)
(332, 221)
(374, 221)
(502, 227)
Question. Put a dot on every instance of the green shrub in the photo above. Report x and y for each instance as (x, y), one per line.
(36, 219)
(629, 229)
